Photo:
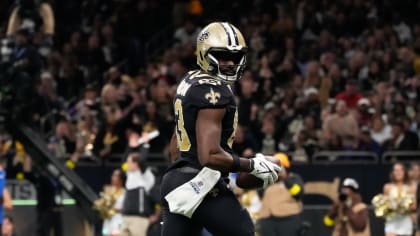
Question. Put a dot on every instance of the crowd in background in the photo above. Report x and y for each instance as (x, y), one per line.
(321, 75)
(329, 75)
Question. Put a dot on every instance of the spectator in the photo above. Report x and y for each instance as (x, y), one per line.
(338, 83)
(63, 143)
(312, 78)
(178, 69)
(349, 215)
(367, 143)
(187, 34)
(111, 137)
(341, 126)
(312, 103)
(45, 104)
(268, 141)
(380, 130)
(306, 140)
(364, 112)
(110, 48)
(247, 98)
(150, 120)
(402, 139)
(70, 81)
(374, 76)
(414, 173)
(139, 202)
(350, 95)
(25, 66)
(94, 59)
(281, 204)
(6, 200)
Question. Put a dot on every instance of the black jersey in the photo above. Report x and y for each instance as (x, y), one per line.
(196, 91)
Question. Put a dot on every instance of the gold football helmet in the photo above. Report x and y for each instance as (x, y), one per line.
(221, 41)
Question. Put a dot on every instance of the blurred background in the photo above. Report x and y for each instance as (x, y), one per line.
(332, 85)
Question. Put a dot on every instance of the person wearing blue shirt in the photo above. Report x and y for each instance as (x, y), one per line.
(5, 199)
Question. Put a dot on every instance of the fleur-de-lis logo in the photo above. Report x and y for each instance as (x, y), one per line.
(203, 36)
(212, 96)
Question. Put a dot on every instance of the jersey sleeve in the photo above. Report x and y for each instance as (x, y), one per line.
(204, 96)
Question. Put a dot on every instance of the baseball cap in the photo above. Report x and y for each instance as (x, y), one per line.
(363, 101)
(310, 91)
(365, 129)
(351, 183)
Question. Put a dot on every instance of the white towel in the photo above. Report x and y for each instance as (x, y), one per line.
(185, 199)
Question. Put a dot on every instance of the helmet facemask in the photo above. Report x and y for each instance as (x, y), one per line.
(227, 65)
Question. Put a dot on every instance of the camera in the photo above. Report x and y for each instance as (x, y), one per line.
(342, 197)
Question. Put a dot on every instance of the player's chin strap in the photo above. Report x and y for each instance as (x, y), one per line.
(185, 199)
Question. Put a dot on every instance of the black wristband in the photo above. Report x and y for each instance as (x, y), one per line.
(236, 165)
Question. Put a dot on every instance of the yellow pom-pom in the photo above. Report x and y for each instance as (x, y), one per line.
(124, 167)
(295, 189)
(20, 176)
(70, 164)
(328, 221)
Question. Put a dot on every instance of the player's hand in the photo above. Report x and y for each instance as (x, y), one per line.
(264, 169)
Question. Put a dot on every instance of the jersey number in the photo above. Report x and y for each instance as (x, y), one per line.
(235, 126)
(181, 134)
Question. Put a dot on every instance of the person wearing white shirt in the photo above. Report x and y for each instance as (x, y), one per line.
(139, 204)
(380, 131)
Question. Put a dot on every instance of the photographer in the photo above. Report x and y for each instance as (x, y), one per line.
(349, 215)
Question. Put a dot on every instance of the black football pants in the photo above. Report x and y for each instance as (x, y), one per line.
(281, 226)
(221, 214)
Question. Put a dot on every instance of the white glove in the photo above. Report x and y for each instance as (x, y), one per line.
(264, 169)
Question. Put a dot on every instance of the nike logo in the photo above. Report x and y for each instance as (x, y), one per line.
(265, 166)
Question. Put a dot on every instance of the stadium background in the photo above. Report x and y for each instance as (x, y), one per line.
(110, 68)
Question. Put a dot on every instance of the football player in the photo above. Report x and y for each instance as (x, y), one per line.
(206, 118)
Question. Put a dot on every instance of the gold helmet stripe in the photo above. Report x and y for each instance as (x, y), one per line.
(229, 32)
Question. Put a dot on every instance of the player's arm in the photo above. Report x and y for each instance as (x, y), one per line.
(210, 153)
(173, 148)
(211, 101)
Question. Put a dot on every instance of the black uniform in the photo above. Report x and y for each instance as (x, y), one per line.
(220, 212)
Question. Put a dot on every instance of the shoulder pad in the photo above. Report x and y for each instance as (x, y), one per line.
(210, 95)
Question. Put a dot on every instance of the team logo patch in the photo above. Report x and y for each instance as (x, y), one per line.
(212, 96)
(195, 187)
(203, 36)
